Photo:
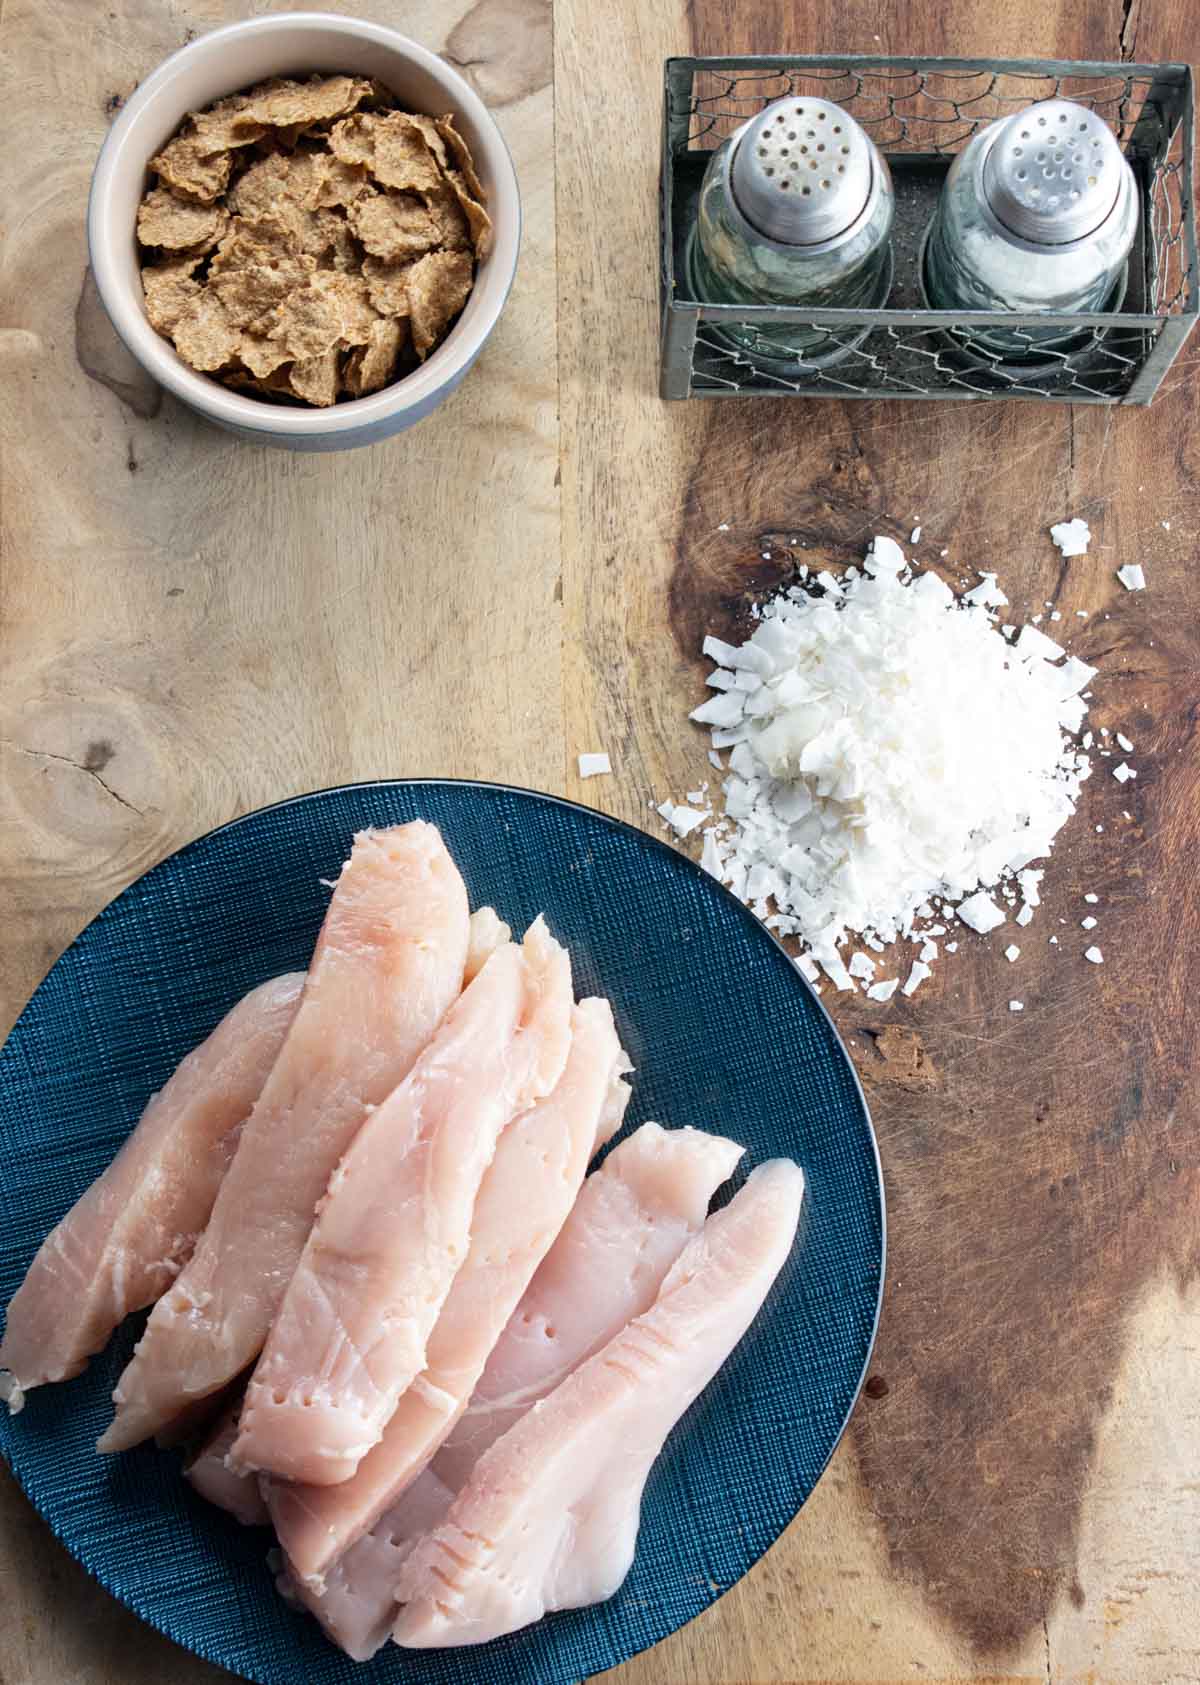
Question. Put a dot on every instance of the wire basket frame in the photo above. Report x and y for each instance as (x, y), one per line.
(920, 112)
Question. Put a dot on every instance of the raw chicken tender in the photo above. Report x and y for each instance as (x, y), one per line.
(632, 1219)
(388, 963)
(523, 1201)
(214, 1480)
(125, 1240)
(640, 1208)
(549, 1518)
(394, 1229)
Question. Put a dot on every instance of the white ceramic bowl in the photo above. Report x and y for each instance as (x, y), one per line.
(223, 62)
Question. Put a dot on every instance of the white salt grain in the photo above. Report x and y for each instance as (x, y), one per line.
(1025, 915)
(1123, 773)
(1093, 954)
(1124, 743)
(916, 536)
(591, 765)
(951, 947)
(1088, 924)
(1016, 1006)
(1091, 899)
(1012, 952)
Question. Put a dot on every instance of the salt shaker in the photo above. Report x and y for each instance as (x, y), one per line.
(796, 208)
(1038, 212)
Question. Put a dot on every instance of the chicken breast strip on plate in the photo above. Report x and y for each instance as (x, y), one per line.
(394, 1228)
(632, 1219)
(524, 1198)
(125, 1240)
(549, 1518)
(207, 1468)
(388, 963)
(207, 1471)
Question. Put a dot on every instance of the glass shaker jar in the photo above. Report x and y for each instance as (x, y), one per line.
(796, 208)
(1038, 213)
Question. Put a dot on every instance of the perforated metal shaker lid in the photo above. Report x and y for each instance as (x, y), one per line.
(801, 171)
(1053, 172)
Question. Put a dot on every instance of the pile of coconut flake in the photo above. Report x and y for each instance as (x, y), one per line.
(892, 755)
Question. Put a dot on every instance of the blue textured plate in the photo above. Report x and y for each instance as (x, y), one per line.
(724, 1034)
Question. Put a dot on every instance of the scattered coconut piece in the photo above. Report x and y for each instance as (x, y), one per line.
(1124, 743)
(592, 765)
(1123, 773)
(916, 977)
(1132, 576)
(980, 912)
(1072, 537)
(1016, 1006)
(884, 990)
(682, 820)
(1093, 954)
(1091, 899)
(1024, 914)
(1089, 923)
(1012, 952)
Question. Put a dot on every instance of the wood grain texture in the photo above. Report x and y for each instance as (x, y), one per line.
(190, 627)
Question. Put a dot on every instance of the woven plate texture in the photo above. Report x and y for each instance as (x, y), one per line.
(724, 1034)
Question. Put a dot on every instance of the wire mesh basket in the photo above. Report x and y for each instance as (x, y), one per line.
(920, 112)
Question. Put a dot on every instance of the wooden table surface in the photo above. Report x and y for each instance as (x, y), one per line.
(192, 628)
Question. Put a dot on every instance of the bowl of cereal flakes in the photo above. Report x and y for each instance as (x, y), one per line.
(305, 226)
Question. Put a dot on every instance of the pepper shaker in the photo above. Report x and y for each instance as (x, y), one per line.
(796, 208)
(1038, 213)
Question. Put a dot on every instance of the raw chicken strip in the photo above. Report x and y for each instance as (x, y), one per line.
(488, 932)
(358, 1607)
(208, 1473)
(395, 1226)
(639, 1209)
(125, 1240)
(549, 1518)
(632, 1219)
(388, 963)
(523, 1201)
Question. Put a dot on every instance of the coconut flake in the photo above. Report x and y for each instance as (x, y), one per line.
(916, 977)
(1132, 576)
(682, 820)
(1072, 537)
(981, 913)
(889, 752)
(884, 990)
